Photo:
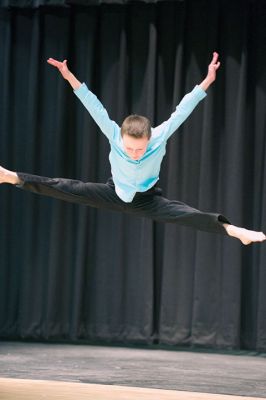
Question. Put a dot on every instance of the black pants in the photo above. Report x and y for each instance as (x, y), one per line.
(150, 204)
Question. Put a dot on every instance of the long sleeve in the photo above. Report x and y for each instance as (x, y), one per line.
(183, 110)
(97, 112)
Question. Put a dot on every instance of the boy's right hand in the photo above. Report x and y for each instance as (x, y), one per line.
(61, 66)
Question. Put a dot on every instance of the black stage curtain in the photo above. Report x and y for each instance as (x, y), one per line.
(72, 273)
(70, 3)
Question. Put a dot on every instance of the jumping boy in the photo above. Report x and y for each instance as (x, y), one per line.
(136, 154)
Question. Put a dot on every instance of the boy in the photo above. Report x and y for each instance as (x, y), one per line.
(136, 154)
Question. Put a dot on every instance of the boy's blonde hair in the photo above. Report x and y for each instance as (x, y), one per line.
(136, 126)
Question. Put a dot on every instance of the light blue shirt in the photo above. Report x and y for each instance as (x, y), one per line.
(131, 176)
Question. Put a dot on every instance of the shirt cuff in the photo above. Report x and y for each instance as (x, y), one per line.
(81, 91)
(199, 92)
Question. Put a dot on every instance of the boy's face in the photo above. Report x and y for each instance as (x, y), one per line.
(135, 147)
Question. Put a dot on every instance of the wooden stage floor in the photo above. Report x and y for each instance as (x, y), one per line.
(66, 371)
(24, 389)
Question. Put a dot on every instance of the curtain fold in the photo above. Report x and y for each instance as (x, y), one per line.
(71, 3)
(73, 273)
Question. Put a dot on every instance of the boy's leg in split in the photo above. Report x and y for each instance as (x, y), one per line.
(152, 205)
(148, 204)
(97, 195)
(103, 196)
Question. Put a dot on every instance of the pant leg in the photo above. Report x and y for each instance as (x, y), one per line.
(153, 205)
(150, 204)
(99, 195)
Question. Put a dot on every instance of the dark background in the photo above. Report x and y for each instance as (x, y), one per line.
(72, 273)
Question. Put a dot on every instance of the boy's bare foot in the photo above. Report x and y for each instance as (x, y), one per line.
(7, 176)
(245, 235)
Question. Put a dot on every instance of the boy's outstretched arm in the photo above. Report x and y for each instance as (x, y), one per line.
(88, 99)
(66, 74)
(189, 102)
(211, 76)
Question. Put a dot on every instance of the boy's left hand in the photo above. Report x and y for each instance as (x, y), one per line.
(213, 67)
